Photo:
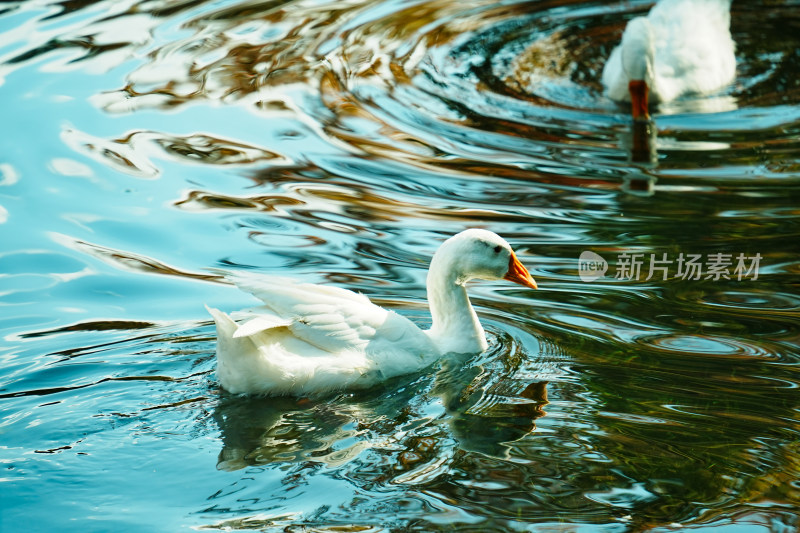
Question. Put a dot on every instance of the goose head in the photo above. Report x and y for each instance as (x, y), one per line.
(471, 254)
(479, 254)
(638, 56)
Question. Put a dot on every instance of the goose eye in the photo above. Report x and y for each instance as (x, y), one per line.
(497, 249)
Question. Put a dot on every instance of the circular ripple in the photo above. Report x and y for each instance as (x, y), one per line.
(763, 300)
(705, 345)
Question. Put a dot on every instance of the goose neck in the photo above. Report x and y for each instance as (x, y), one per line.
(455, 326)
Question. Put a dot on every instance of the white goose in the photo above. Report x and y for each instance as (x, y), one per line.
(681, 47)
(311, 339)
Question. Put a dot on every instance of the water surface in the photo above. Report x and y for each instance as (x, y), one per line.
(149, 145)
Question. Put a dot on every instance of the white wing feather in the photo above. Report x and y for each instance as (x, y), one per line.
(258, 324)
(330, 318)
(310, 339)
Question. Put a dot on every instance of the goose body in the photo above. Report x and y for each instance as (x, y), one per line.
(309, 339)
(681, 47)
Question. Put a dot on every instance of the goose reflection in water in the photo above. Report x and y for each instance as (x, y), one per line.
(640, 142)
(265, 430)
(481, 413)
(488, 413)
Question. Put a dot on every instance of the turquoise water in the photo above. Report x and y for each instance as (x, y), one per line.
(148, 144)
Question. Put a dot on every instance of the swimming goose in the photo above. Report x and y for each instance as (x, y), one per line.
(311, 339)
(681, 47)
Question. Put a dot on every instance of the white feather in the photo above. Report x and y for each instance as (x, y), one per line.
(693, 51)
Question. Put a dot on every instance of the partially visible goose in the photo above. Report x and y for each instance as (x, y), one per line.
(680, 47)
(311, 339)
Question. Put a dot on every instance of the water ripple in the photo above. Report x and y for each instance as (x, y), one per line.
(707, 345)
(156, 143)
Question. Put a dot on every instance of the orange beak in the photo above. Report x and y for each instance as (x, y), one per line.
(518, 273)
(639, 90)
